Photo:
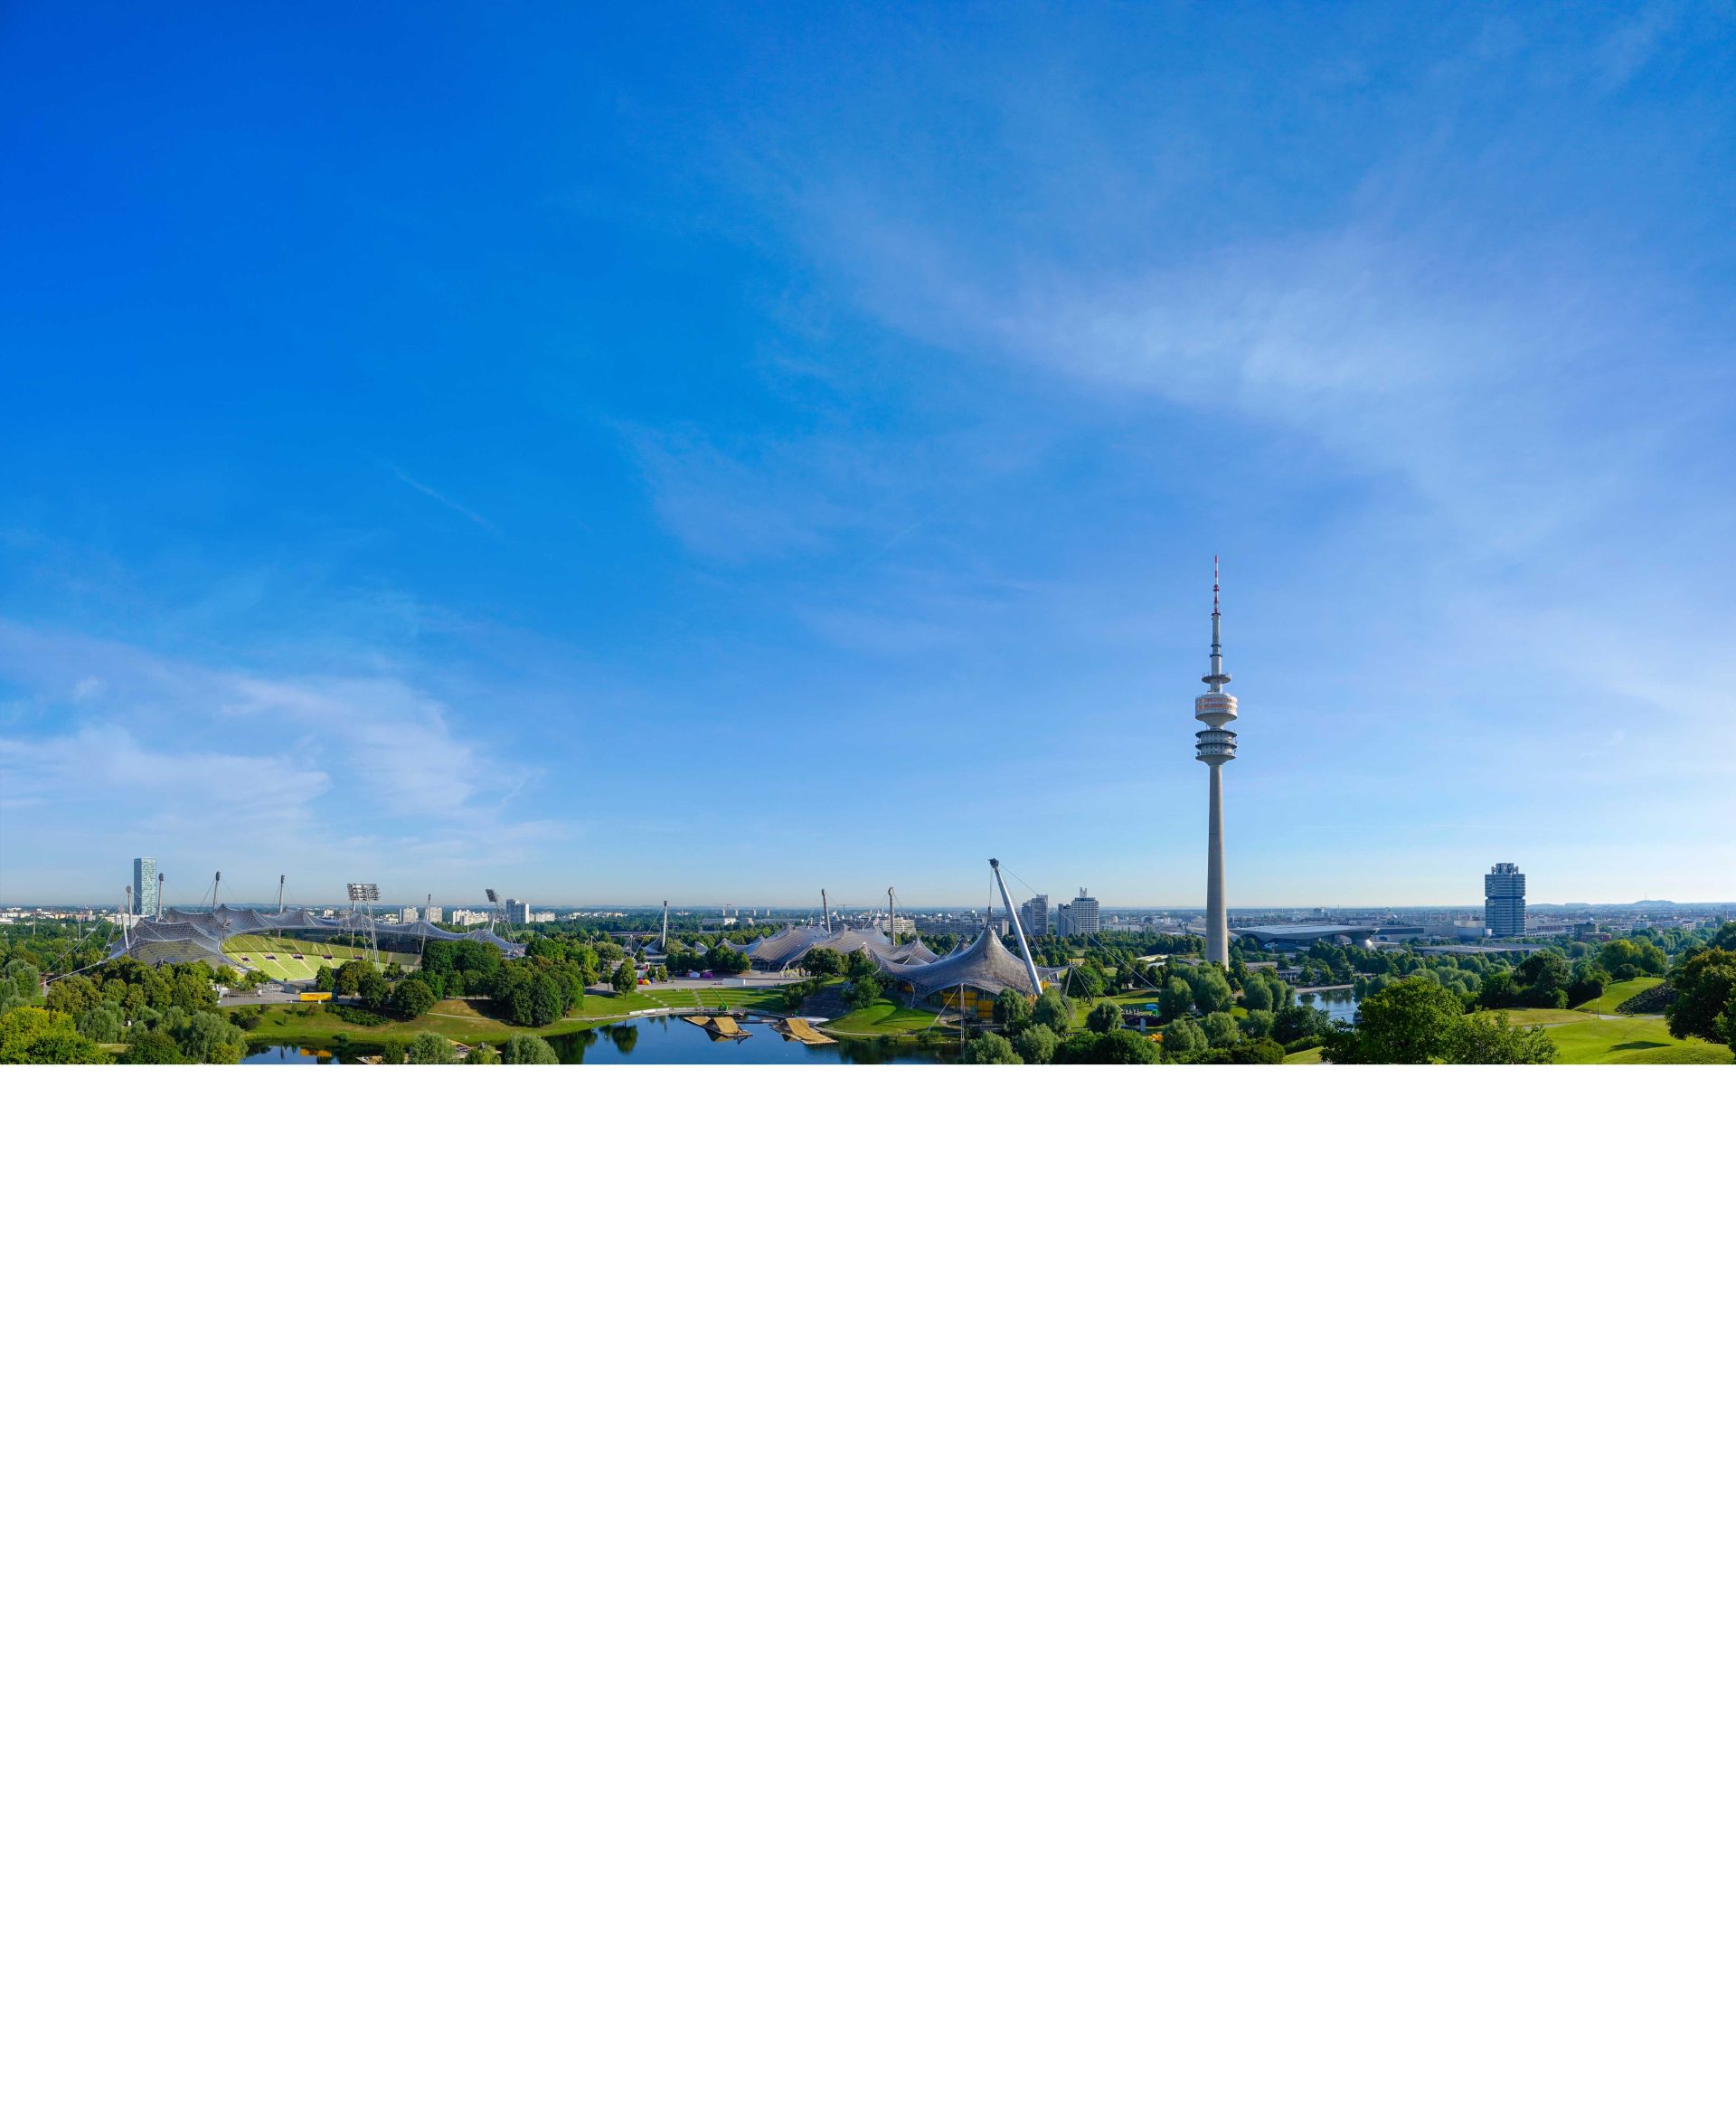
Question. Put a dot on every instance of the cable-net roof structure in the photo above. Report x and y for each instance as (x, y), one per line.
(203, 934)
(785, 949)
(984, 965)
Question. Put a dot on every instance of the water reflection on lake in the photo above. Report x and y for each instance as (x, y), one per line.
(1338, 1005)
(674, 1041)
(669, 1040)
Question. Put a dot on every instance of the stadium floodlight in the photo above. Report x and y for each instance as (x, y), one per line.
(364, 890)
(492, 895)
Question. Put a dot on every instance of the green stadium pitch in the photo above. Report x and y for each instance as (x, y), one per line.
(295, 960)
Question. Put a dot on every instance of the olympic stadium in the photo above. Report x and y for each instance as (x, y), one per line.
(205, 934)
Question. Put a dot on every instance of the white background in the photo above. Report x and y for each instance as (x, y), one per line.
(891, 1597)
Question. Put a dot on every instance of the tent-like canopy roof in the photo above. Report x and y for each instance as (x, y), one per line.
(984, 964)
(785, 948)
(202, 934)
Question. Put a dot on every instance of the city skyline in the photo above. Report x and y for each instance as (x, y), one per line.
(783, 450)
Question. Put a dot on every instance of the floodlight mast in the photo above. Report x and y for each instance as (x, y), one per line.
(1018, 929)
(825, 911)
(665, 940)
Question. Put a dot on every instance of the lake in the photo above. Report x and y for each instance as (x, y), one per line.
(1337, 1005)
(671, 1041)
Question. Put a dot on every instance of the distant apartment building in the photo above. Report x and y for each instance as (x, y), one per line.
(1504, 902)
(1083, 916)
(144, 896)
(1034, 915)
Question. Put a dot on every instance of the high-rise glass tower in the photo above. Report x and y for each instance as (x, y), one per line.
(144, 886)
(1216, 710)
(1504, 902)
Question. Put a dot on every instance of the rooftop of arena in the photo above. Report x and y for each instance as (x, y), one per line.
(203, 934)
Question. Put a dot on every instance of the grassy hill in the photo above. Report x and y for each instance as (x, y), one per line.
(1640, 1038)
(1618, 993)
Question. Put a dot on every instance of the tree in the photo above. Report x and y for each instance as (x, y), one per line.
(1410, 1021)
(485, 1053)
(1174, 998)
(207, 1037)
(1210, 989)
(990, 1049)
(1262, 1052)
(1257, 993)
(150, 1046)
(370, 991)
(1012, 1010)
(1053, 1010)
(31, 1036)
(821, 964)
(624, 980)
(1121, 1046)
(1541, 979)
(1104, 1019)
(103, 1023)
(527, 1049)
(863, 991)
(1183, 1039)
(543, 995)
(1035, 1043)
(1491, 1038)
(1257, 1026)
(413, 997)
(1588, 983)
(1087, 979)
(1300, 1023)
(1704, 984)
(1220, 1029)
(430, 1049)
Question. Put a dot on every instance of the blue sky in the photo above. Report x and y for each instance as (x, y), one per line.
(720, 451)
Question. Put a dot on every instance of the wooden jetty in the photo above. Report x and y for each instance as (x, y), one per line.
(805, 1032)
(719, 1026)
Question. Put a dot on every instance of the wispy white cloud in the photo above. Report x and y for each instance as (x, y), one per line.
(173, 741)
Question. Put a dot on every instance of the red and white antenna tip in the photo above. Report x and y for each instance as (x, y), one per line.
(1214, 583)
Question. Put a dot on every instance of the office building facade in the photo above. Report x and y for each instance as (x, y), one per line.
(1082, 916)
(145, 893)
(1504, 902)
(1034, 915)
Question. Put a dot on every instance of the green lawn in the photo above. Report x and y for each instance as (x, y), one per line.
(880, 1019)
(1617, 992)
(1636, 1038)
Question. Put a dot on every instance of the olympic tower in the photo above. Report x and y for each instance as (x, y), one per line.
(1216, 710)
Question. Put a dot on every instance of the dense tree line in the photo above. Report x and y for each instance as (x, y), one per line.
(154, 1014)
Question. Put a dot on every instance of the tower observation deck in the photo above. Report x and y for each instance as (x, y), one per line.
(1216, 710)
